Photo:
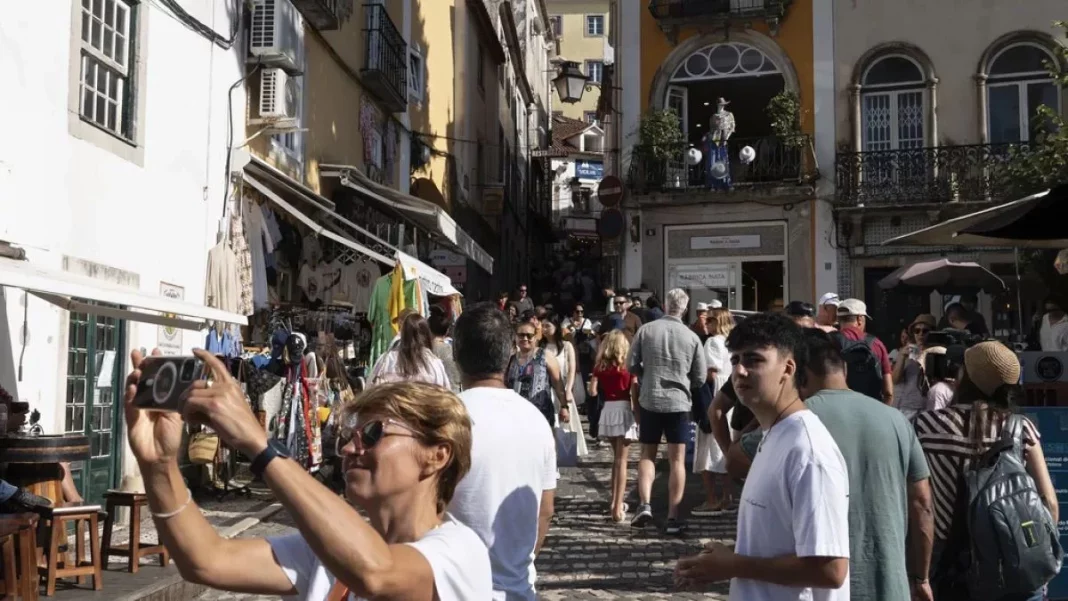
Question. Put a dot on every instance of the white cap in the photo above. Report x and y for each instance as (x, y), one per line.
(853, 307)
(715, 304)
(702, 306)
(831, 298)
(953, 300)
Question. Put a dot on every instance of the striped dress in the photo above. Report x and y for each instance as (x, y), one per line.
(943, 435)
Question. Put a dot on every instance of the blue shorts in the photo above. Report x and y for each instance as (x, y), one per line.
(674, 426)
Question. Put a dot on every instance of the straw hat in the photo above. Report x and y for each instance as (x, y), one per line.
(990, 365)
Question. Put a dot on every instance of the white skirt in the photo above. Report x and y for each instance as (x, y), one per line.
(707, 456)
(617, 420)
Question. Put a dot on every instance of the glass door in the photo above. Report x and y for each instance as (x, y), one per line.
(705, 283)
(94, 377)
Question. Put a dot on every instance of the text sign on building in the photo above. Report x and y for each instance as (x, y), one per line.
(702, 278)
(447, 258)
(589, 169)
(725, 242)
(169, 338)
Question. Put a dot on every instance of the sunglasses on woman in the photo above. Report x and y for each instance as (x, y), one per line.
(370, 434)
(921, 330)
(524, 336)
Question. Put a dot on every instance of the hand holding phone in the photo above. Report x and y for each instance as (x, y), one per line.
(165, 382)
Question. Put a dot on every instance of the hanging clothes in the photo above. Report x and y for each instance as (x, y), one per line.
(239, 244)
(396, 297)
(259, 244)
(384, 309)
(221, 289)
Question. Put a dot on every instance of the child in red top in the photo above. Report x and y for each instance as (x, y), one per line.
(619, 390)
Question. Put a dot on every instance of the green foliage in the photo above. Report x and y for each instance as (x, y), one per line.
(660, 135)
(784, 111)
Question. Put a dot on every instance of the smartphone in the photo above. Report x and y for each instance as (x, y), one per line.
(165, 382)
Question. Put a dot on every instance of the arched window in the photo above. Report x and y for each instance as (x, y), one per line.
(893, 104)
(1018, 82)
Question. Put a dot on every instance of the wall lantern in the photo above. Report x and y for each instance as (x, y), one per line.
(570, 82)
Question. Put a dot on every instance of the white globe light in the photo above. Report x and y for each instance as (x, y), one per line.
(747, 155)
(693, 157)
(718, 170)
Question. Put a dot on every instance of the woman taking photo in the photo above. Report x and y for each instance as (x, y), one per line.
(553, 343)
(535, 375)
(404, 447)
(910, 381)
(413, 358)
(611, 379)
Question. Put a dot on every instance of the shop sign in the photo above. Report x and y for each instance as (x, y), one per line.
(580, 224)
(702, 278)
(447, 258)
(589, 169)
(492, 200)
(169, 338)
(725, 242)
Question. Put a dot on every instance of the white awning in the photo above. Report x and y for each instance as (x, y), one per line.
(71, 291)
(425, 213)
(433, 281)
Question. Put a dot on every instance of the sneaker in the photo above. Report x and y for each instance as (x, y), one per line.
(707, 508)
(24, 501)
(674, 526)
(643, 517)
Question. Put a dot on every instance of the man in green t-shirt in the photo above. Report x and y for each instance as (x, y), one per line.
(889, 495)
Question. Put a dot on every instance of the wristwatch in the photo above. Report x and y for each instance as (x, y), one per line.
(274, 449)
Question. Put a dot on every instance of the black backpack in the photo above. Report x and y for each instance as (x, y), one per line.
(864, 373)
(1011, 545)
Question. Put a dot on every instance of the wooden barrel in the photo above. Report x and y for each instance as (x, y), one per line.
(43, 449)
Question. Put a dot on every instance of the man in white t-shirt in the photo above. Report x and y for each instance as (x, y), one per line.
(507, 496)
(793, 520)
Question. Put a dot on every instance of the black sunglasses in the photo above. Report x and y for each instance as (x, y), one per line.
(921, 330)
(524, 336)
(369, 434)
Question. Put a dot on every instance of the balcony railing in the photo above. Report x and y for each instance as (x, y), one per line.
(778, 162)
(972, 173)
(325, 15)
(682, 10)
(385, 70)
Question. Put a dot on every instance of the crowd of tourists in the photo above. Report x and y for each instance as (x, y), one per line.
(861, 471)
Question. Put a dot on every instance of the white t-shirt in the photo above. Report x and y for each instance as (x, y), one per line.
(457, 557)
(795, 502)
(310, 281)
(330, 279)
(359, 282)
(513, 460)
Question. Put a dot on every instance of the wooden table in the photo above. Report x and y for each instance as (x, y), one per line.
(33, 462)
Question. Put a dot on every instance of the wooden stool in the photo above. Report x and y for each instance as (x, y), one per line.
(136, 548)
(21, 580)
(83, 516)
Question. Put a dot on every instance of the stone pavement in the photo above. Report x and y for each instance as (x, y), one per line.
(587, 556)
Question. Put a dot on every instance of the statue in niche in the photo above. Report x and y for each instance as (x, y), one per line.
(717, 153)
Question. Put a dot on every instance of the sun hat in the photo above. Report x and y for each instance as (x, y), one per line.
(926, 319)
(990, 365)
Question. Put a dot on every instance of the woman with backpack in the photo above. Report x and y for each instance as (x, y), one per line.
(957, 443)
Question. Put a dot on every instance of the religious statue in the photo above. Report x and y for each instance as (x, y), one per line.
(717, 155)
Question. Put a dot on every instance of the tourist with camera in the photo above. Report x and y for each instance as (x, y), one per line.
(910, 380)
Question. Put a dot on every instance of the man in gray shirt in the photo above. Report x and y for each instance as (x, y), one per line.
(669, 361)
(891, 520)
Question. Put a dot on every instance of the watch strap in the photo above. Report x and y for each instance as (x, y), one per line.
(259, 464)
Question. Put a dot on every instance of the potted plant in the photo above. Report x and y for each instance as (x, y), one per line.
(660, 141)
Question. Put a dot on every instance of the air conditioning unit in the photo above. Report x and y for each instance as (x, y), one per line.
(276, 37)
(280, 95)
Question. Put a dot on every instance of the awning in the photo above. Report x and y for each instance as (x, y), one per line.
(71, 291)
(955, 232)
(426, 214)
(433, 281)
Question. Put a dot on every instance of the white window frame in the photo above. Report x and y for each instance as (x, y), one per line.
(416, 75)
(1020, 81)
(894, 91)
(592, 20)
(600, 72)
(126, 138)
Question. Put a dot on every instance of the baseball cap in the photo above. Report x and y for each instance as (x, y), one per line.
(853, 307)
(702, 306)
(715, 304)
(800, 309)
(831, 298)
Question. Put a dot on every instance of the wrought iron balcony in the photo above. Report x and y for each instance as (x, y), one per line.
(673, 13)
(972, 173)
(778, 162)
(325, 15)
(385, 70)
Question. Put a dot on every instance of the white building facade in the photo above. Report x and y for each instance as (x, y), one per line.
(115, 170)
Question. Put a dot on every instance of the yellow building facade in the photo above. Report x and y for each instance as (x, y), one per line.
(582, 29)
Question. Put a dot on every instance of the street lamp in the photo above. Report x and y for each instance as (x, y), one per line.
(570, 82)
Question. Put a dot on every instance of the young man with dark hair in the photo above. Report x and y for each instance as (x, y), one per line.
(793, 523)
(512, 480)
(889, 494)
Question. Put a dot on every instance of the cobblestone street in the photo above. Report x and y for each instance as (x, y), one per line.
(586, 555)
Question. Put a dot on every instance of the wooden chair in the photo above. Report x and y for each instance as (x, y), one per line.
(18, 550)
(136, 548)
(84, 517)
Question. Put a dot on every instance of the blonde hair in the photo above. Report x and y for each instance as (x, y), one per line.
(613, 351)
(436, 414)
(720, 322)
